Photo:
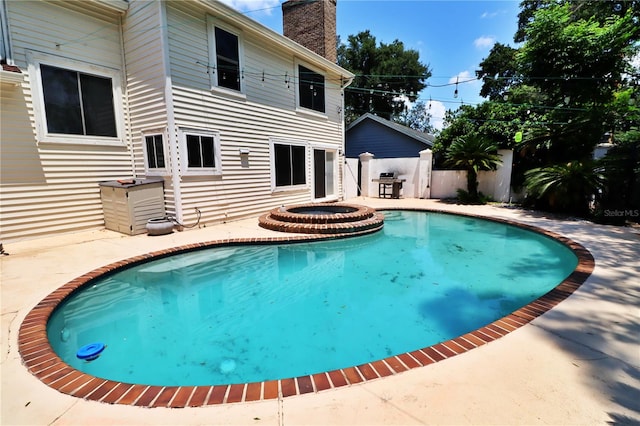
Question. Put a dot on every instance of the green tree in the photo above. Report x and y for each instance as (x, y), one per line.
(565, 56)
(569, 83)
(387, 76)
(473, 154)
(498, 72)
(417, 118)
(498, 122)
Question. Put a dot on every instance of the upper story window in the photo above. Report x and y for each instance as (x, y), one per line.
(311, 89)
(226, 56)
(289, 165)
(227, 59)
(201, 151)
(76, 102)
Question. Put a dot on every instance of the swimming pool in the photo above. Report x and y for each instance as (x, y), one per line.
(416, 253)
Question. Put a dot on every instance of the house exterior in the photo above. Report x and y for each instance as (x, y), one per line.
(234, 118)
(384, 138)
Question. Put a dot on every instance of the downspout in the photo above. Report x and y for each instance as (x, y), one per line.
(127, 115)
(4, 32)
(172, 137)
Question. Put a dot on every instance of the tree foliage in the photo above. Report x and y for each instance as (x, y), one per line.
(567, 188)
(568, 86)
(621, 189)
(417, 117)
(387, 76)
(498, 72)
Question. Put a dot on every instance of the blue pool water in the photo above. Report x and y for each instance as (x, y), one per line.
(262, 312)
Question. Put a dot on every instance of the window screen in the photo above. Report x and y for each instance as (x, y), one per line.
(78, 104)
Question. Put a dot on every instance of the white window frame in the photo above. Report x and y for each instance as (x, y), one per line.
(300, 108)
(217, 157)
(156, 171)
(212, 23)
(272, 167)
(42, 133)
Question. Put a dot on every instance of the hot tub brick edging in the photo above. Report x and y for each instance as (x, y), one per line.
(288, 219)
(39, 359)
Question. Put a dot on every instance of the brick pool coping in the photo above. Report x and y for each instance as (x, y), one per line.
(40, 359)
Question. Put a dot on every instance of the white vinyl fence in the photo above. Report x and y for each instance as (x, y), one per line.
(420, 181)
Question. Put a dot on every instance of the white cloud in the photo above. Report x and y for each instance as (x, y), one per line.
(489, 15)
(405, 99)
(266, 6)
(635, 61)
(461, 76)
(437, 112)
(484, 42)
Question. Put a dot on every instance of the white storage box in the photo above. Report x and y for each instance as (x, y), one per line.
(129, 204)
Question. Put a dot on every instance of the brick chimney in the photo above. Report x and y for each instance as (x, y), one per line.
(312, 23)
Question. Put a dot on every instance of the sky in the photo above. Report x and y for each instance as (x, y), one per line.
(451, 36)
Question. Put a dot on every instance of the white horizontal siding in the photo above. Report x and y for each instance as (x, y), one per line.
(190, 56)
(56, 29)
(144, 52)
(48, 187)
(244, 191)
(188, 45)
(266, 110)
(54, 188)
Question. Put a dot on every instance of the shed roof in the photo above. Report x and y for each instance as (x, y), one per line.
(425, 138)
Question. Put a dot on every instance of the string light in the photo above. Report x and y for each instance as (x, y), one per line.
(337, 83)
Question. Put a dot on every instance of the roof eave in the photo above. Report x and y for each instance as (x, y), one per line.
(120, 6)
(393, 126)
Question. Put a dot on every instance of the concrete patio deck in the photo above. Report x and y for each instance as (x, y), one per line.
(579, 363)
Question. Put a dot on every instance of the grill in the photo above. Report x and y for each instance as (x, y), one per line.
(389, 185)
(388, 175)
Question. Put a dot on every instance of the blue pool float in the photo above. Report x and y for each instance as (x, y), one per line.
(91, 351)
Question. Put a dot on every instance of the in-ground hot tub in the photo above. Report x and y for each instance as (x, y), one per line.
(323, 218)
(322, 209)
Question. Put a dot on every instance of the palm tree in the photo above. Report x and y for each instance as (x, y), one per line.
(473, 153)
(566, 187)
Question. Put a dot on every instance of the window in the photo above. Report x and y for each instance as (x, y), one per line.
(76, 103)
(289, 165)
(310, 89)
(154, 153)
(227, 59)
(201, 151)
(226, 56)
